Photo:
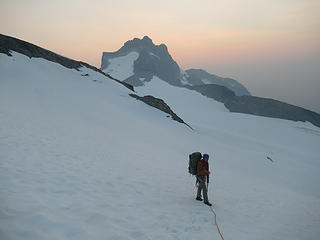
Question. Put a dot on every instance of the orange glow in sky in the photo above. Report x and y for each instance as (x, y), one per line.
(219, 36)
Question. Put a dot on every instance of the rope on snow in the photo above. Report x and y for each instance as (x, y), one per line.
(215, 222)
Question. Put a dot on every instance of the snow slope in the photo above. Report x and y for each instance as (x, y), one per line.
(80, 159)
(122, 67)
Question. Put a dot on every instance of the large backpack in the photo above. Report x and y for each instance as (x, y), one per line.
(194, 158)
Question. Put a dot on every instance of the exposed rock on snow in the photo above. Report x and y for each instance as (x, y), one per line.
(159, 104)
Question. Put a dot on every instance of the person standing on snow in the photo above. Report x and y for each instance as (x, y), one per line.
(203, 177)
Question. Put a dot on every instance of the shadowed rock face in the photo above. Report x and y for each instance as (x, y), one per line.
(9, 43)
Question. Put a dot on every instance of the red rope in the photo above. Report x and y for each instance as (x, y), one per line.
(215, 222)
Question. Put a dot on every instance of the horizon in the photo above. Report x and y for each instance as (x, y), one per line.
(273, 55)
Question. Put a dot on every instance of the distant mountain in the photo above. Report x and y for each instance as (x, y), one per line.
(201, 77)
(140, 59)
(257, 105)
(271, 108)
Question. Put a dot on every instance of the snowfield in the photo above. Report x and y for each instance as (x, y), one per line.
(122, 67)
(80, 159)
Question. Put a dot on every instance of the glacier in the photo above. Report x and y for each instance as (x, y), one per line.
(81, 159)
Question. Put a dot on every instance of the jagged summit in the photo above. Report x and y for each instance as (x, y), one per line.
(138, 44)
(144, 43)
(146, 38)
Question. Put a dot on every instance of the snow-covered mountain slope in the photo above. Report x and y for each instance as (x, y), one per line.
(81, 159)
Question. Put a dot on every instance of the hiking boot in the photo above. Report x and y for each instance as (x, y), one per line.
(209, 204)
(199, 198)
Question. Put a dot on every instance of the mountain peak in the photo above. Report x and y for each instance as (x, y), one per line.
(147, 39)
(138, 43)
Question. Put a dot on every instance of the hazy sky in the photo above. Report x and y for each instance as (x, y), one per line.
(272, 47)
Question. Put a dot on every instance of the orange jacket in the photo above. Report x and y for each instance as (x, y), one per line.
(203, 168)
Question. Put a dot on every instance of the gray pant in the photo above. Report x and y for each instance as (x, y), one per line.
(202, 186)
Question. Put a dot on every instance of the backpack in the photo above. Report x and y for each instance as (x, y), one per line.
(194, 158)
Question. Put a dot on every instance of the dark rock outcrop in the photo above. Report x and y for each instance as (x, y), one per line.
(159, 104)
(8, 44)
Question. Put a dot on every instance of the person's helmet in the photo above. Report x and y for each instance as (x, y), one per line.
(205, 155)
